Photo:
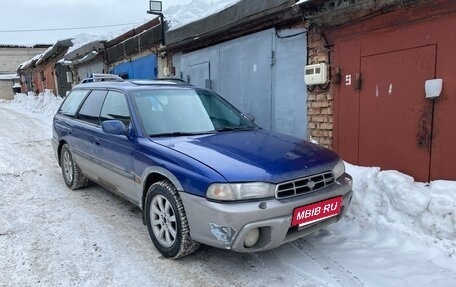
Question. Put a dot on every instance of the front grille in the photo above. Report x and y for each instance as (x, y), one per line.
(304, 185)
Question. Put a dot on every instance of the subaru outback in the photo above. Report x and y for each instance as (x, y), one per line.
(201, 171)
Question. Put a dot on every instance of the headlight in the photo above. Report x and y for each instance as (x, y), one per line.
(339, 169)
(240, 191)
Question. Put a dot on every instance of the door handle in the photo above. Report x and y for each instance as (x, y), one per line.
(96, 141)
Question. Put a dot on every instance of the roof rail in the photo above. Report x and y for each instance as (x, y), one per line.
(102, 77)
(176, 80)
(159, 81)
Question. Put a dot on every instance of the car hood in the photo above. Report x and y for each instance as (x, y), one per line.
(257, 155)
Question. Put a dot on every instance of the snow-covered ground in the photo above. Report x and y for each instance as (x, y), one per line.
(397, 232)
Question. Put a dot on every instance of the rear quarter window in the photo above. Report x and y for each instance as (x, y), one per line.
(72, 102)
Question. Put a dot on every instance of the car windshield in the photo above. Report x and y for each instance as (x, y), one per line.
(186, 111)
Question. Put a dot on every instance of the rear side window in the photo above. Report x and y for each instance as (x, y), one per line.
(90, 110)
(115, 107)
(72, 102)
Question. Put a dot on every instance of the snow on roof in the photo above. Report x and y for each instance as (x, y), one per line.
(84, 49)
(64, 62)
(83, 39)
(8, 77)
(237, 17)
(176, 16)
(182, 14)
(46, 54)
(84, 43)
(30, 62)
(87, 57)
(55, 49)
(301, 1)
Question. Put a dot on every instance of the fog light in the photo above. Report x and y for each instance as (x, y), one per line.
(252, 237)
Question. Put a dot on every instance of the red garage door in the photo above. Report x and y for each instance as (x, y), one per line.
(395, 117)
(382, 117)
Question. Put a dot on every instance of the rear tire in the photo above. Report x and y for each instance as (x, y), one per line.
(71, 172)
(167, 222)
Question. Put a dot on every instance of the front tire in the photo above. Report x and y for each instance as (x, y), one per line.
(166, 221)
(72, 175)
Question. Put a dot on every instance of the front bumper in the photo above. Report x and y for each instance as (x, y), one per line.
(225, 225)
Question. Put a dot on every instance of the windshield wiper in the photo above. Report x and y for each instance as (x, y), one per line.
(178, 134)
(240, 128)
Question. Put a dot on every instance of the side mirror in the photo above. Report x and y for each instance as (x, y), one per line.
(114, 127)
(250, 117)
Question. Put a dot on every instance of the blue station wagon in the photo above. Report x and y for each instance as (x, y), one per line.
(201, 171)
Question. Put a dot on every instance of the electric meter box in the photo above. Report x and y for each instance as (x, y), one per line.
(316, 74)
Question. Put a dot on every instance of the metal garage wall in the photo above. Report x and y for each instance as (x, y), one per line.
(260, 74)
(246, 75)
(86, 70)
(141, 68)
(289, 89)
(63, 87)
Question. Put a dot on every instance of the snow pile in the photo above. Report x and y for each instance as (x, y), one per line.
(393, 199)
(182, 14)
(46, 103)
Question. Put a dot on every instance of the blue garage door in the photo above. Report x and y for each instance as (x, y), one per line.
(142, 68)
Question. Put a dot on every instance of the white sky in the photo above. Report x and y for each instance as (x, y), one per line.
(51, 14)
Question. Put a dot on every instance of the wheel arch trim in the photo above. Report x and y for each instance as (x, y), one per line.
(162, 171)
(60, 144)
(157, 170)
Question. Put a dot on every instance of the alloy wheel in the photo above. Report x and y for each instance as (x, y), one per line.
(163, 221)
(67, 166)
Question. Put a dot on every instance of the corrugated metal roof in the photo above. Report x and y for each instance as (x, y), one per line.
(59, 47)
(236, 15)
(83, 51)
(133, 32)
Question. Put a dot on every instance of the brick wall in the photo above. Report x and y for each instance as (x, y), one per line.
(319, 99)
(332, 14)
